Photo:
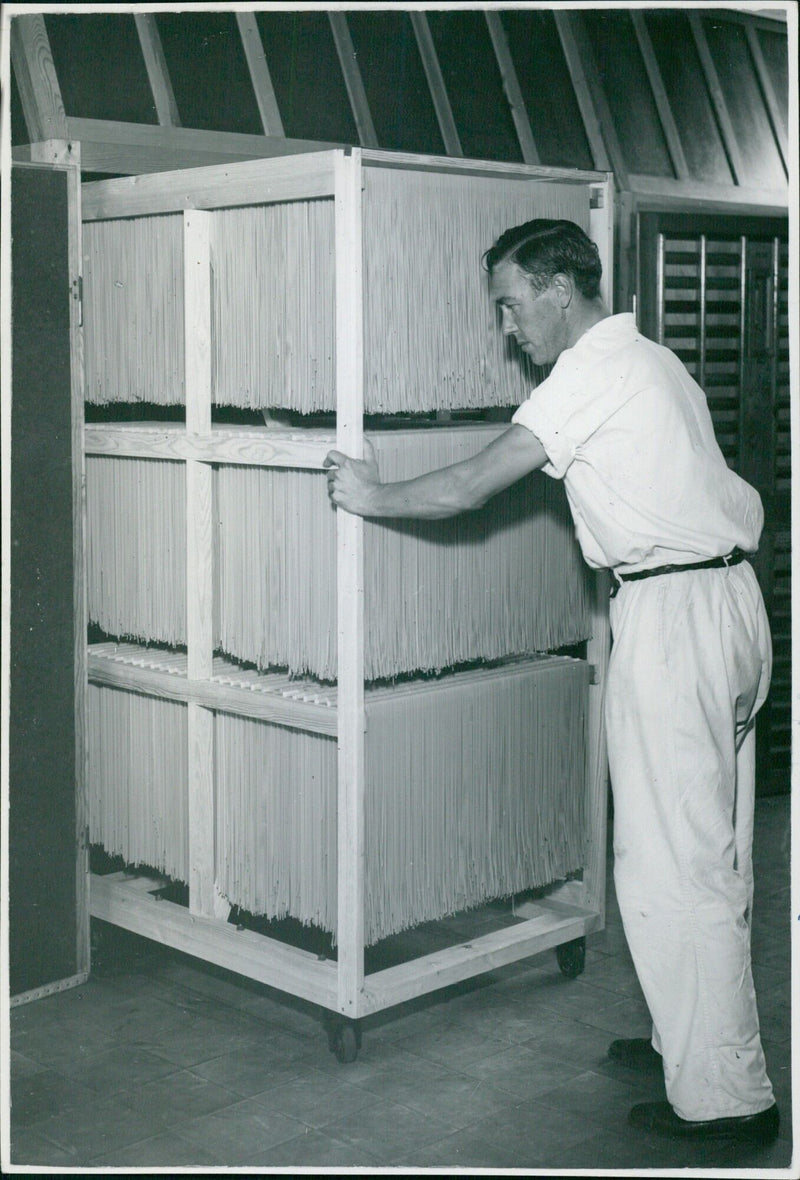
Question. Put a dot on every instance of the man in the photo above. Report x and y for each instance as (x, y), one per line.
(620, 420)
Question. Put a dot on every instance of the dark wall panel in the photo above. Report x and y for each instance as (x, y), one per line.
(307, 77)
(474, 85)
(754, 136)
(688, 96)
(627, 91)
(208, 69)
(394, 81)
(545, 84)
(42, 817)
(776, 56)
(100, 67)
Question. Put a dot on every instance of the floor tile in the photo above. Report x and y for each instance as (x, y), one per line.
(116, 1069)
(237, 1132)
(250, 1070)
(161, 1151)
(96, 1127)
(316, 1100)
(312, 1149)
(178, 1097)
(37, 1096)
(387, 1131)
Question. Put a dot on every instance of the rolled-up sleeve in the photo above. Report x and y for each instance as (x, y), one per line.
(558, 444)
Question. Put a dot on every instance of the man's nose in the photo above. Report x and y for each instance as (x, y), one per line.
(508, 326)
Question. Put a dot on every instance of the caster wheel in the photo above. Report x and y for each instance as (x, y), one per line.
(572, 957)
(344, 1041)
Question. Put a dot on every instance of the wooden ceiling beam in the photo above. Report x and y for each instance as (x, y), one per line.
(433, 73)
(516, 102)
(42, 105)
(353, 80)
(157, 72)
(259, 73)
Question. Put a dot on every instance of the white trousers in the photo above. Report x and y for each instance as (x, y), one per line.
(690, 666)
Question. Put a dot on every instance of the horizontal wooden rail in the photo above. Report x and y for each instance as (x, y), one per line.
(132, 148)
(251, 182)
(253, 447)
(131, 902)
(467, 167)
(551, 926)
(665, 189)
(258, 701)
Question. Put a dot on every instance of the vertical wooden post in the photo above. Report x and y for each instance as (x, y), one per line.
(601, 229)
(350, 585)
(199, 556)
(79, 569)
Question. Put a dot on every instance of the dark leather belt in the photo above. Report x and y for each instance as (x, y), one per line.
(713, 563)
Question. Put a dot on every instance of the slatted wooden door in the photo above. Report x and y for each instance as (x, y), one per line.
(715, 290)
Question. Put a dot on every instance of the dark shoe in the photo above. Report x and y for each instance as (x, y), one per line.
(636, 1053)
(660, 1119)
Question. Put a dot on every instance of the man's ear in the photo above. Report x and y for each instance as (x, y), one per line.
(564, 289)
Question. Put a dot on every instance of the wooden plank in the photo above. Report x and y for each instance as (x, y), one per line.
(157, 72)
(266, 960)
(428, 973)
(601, 231)
(717, 97)
(197, 229)
(777, 116)
(259, 73)
(132, 148)
(47, 151)
(42, 105)
(248, 446)
(463, 166)
(668, 124)
(433, 72)
(351, 767)
(353, 80)
(592, 80)
(597, 652)
(221, 186)
(680, 193)
(598, 648)
(83, 954)
(583, 94)
(513, 93)
(256, 703)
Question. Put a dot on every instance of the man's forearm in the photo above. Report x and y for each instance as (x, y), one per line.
(434, 496)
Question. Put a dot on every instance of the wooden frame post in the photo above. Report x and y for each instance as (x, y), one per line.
(199, 555)
(79, 567)
(350, 586)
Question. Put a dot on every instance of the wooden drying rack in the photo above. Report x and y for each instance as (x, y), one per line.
(570, 911)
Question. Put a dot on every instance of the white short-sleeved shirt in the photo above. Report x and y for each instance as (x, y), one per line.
(629, 431)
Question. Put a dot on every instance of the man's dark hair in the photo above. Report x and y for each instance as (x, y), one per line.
(544, 248)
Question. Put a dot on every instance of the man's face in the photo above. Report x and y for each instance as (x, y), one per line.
(536, 320)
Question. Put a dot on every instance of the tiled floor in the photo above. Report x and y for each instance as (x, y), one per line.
(162, 1061)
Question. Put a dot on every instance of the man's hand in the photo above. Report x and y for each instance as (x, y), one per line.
(352, 482)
